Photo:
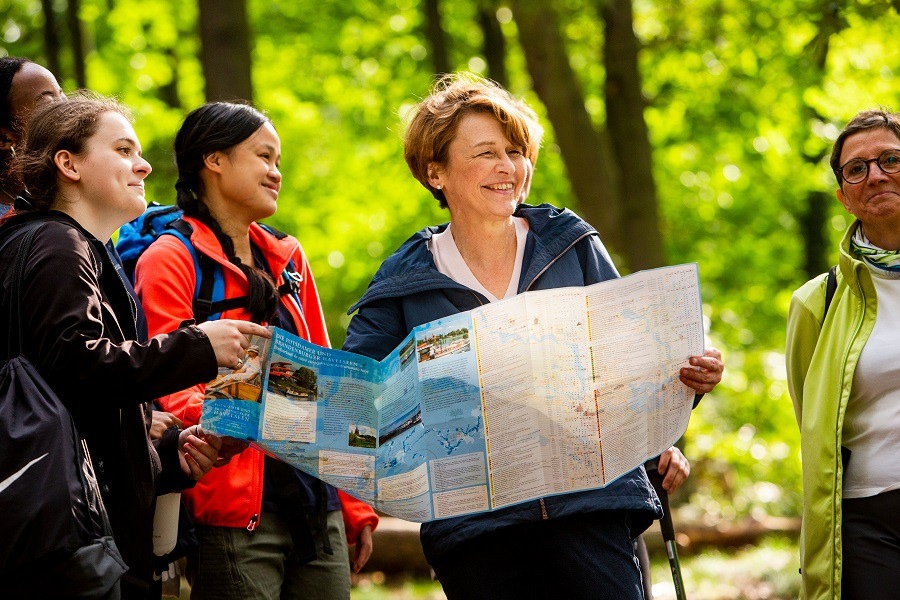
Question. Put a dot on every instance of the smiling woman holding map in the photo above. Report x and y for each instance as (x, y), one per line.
(474, 148)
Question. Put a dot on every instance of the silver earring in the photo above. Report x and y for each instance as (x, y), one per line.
(439, 186)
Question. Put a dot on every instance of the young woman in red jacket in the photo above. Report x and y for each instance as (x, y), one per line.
(266, 530)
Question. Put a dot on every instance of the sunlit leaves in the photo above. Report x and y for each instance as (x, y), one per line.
(739, 113)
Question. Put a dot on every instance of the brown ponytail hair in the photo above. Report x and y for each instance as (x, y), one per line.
(59, 126)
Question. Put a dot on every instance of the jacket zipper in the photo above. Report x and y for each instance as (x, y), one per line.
(839, 432)
(253, 524)
(544, 515)
(556, 258)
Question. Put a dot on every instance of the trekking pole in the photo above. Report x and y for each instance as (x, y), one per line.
(667, 528)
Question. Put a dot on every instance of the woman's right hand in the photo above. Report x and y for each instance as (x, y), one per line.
(229, 339)
(161, 422)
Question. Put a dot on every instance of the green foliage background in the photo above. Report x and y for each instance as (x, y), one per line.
(735, 109)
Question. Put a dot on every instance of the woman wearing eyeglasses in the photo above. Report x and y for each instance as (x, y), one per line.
(844, 378)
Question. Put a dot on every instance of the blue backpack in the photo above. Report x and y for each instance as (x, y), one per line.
(209, 293)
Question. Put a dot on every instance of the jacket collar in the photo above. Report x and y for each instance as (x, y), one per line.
(278, 250)
(121, 296)
(851, 267)
(20, 219)
(411, 269)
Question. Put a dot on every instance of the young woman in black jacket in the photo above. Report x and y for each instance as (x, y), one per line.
(81, 163)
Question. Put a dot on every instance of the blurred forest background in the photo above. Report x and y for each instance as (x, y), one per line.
(684, 130)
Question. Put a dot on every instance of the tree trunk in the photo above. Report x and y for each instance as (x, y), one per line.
(812, 220)
(693, 538)
(51, 38)
(225, 49)
(434, 31)
(494, 42)
(813, 215)
(585, 151)
(74, 24)
(643, 244)
(168, 92)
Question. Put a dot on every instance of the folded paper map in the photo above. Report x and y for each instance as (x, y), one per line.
(549, 392)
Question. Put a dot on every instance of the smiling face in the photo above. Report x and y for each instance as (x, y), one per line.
(876, 200)
(111, 171)
(484, 175)
(248, 177)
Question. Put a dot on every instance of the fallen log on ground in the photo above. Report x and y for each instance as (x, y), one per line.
(692, 537)
(398, 550)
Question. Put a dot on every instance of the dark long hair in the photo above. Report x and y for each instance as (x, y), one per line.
(219, 127)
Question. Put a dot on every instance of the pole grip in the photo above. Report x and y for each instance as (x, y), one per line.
(665, 523)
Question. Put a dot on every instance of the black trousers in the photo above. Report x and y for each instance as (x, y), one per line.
(871, 547)
(587, 556)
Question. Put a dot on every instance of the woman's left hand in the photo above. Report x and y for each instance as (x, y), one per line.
(674, 468)
(363, 549)
(199, 451)
(705, 372)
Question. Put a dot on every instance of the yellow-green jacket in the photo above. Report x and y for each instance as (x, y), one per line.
(821, 359)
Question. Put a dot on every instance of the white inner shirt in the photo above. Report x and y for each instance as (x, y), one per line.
(451, 263)
(872, 421)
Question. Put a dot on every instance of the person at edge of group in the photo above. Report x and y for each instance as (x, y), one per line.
(24, 85)
(471, 146)
(266, 530)
(80, 161)
(844, 378)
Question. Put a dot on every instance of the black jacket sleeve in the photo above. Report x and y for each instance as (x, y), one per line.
(172, 478)
(69, 326)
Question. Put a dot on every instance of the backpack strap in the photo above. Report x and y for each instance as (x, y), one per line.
(291, 277)
(14, 343)
(212, 284)
(830, 288)
(211, 280)
(158, 211)
(277, 234)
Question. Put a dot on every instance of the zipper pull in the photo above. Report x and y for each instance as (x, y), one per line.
(253, 524)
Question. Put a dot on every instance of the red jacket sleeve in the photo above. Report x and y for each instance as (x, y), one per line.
(357, 514)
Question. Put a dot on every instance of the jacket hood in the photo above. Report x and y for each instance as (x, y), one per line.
(411, 269)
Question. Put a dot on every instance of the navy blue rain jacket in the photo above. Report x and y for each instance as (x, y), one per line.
(561, 251)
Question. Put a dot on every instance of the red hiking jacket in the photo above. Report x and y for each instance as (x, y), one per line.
(230, 496)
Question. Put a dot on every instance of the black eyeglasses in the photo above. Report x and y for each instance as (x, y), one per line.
(856, 170)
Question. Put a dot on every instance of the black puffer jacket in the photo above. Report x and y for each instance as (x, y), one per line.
(78, 324)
